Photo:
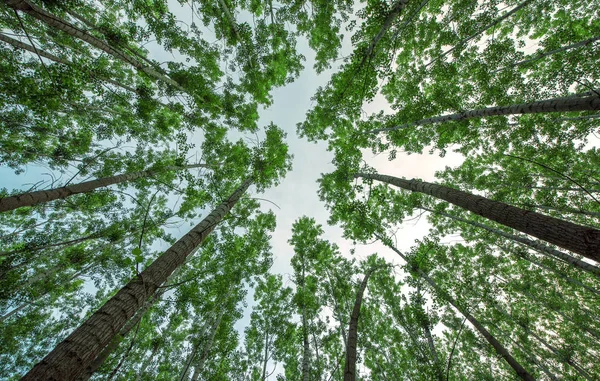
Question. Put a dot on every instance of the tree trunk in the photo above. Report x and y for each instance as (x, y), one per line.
(573, 237)
(38, 197)
(518, 368)
(206, 350)
(306, 348)
(483, 29)
(565, 104)
(98, 361)
(537, 246)
(436, 359)
(551, 52)
(71, 357)
(56, 244)
(20, 45)
(266, 358)
(350, 367)
(557, 353)
(387, 23)
(525, 256)
(53, 21)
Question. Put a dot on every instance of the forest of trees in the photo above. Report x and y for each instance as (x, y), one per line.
(146, 244)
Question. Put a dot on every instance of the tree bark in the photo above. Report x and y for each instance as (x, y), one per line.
(350, 367)
(500, 349)
(98, 361)
(71, 357)
(565, 104)
(537, 246)
(578, 239)
(53, 21)
(38, 197)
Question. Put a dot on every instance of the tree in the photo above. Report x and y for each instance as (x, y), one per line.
(581, 240)
(37, 197)
(72, 356)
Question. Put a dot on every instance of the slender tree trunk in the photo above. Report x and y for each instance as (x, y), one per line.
(532, 357)
(350, 366)
(53, 21)
(436, 359)
(70, 358)
(38, 197)
(39, 298)
(582, 117)
(483, 29)
(573, 237)
(397, 7)
(557, 353)
(306, 349)
(537, 246)
(42, 53)
(146, 363)
(206, 349)
(266, 358)
(565, 104)
(51, 245)
(551, 52)
(500, 349)
(525, 256)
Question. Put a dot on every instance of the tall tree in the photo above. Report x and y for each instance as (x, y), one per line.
(70, 358)
(579, 239)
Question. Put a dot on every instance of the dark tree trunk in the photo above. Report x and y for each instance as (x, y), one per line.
(70, 358)
(38, 197)
(578, 239)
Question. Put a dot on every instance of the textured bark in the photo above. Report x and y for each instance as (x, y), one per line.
(71, 357)
(578, 239)
(53, 21)
(537, 246)
(38, 197)
(350, 367)
(98, 361)
(565, 104)
(498, 347)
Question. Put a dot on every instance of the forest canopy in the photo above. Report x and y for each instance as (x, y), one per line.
(299, 190)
